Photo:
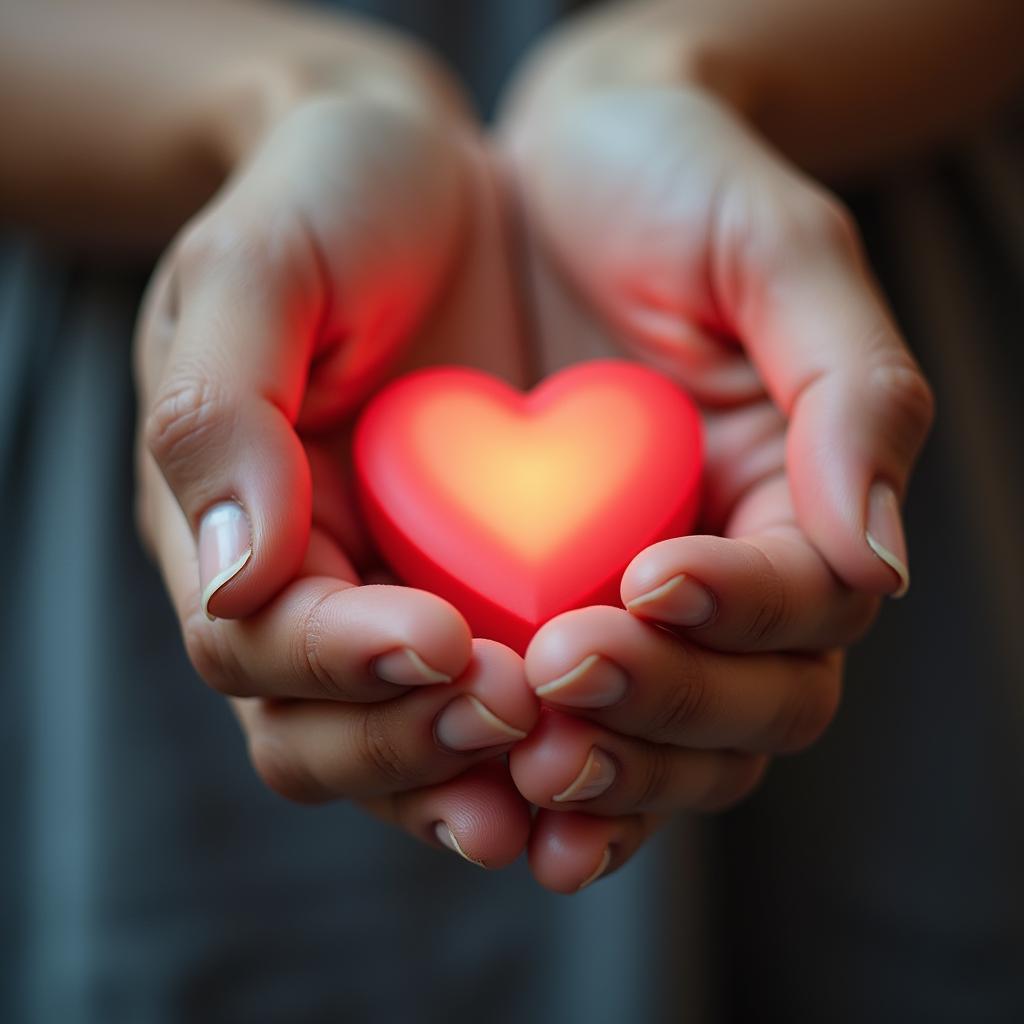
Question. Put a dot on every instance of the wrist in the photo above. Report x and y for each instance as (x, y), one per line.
(249, 97)
(641, 47)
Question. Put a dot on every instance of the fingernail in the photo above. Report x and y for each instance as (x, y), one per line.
(681, 600)
(601, 868)
(404, 667)
(468, 724)
(596, 775)
(225, 545)
(885, 533)
(446, 837)
(595, 682)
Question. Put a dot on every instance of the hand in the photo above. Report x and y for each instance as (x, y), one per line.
(317, 269)
(690, 242)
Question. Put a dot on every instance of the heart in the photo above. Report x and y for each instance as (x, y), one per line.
(517, 507)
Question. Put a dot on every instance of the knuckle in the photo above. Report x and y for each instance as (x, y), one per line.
(799, 223)
(807, 219)
(309, 644)
(282, 772)
(655, 778)
(771, 608)
(903, 389)
(682, 705)
(383, 754)
(826, 220)
(206, 241)
(189, 417)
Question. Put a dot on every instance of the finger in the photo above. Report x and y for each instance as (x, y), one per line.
(312, 751)
(478, 815)
(325, 557)
(779, 267)
(335, 503)
(323, 637)
(567, 763)
(608, 666)
(222, 399)
(766, 587)
(569, 851)
(859, 408)
(764, 592)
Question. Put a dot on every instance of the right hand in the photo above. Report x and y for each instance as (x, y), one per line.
(667, 226)
(278, 309)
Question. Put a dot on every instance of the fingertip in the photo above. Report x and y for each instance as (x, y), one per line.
(884, 535)
(771, 590)
(546, 762)
(497, 677)
(563, 643)
(570, 851)
(848, 460)
(416, 621)
(405, 666)
(659, 563)
(676, 580)
(497, 657)
(252, 544)
(480, 812)
(681, 600)
(224, 550)
(446, 836)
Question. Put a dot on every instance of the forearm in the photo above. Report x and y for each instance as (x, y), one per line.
(838, 86)
(118, 125)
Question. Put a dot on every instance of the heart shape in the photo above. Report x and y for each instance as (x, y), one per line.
(516, 507)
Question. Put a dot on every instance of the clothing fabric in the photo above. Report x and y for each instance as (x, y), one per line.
(149, 878)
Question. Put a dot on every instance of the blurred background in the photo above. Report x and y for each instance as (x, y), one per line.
(149, 877)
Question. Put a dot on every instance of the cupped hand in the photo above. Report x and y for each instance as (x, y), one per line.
(661, 222)
(357, 240)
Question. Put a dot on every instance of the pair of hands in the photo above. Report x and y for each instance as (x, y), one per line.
(369, 234)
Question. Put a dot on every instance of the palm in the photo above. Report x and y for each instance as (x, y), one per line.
(641, 212)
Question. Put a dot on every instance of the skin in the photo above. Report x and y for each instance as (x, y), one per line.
(660, 155)
(223, 384)
(269, 296)
(797, 70)
(342, 181)
(729, 270)
(143, 168)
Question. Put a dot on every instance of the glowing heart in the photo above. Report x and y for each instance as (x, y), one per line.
(518, 507)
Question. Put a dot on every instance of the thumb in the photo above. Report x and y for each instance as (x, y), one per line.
(222, 377)
(859, 408)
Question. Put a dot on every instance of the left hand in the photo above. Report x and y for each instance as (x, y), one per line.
(701, 250)
(359, 238)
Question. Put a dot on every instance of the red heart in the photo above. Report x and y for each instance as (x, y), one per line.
(518, 507)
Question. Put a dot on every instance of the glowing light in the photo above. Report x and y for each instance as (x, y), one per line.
(517, 507)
